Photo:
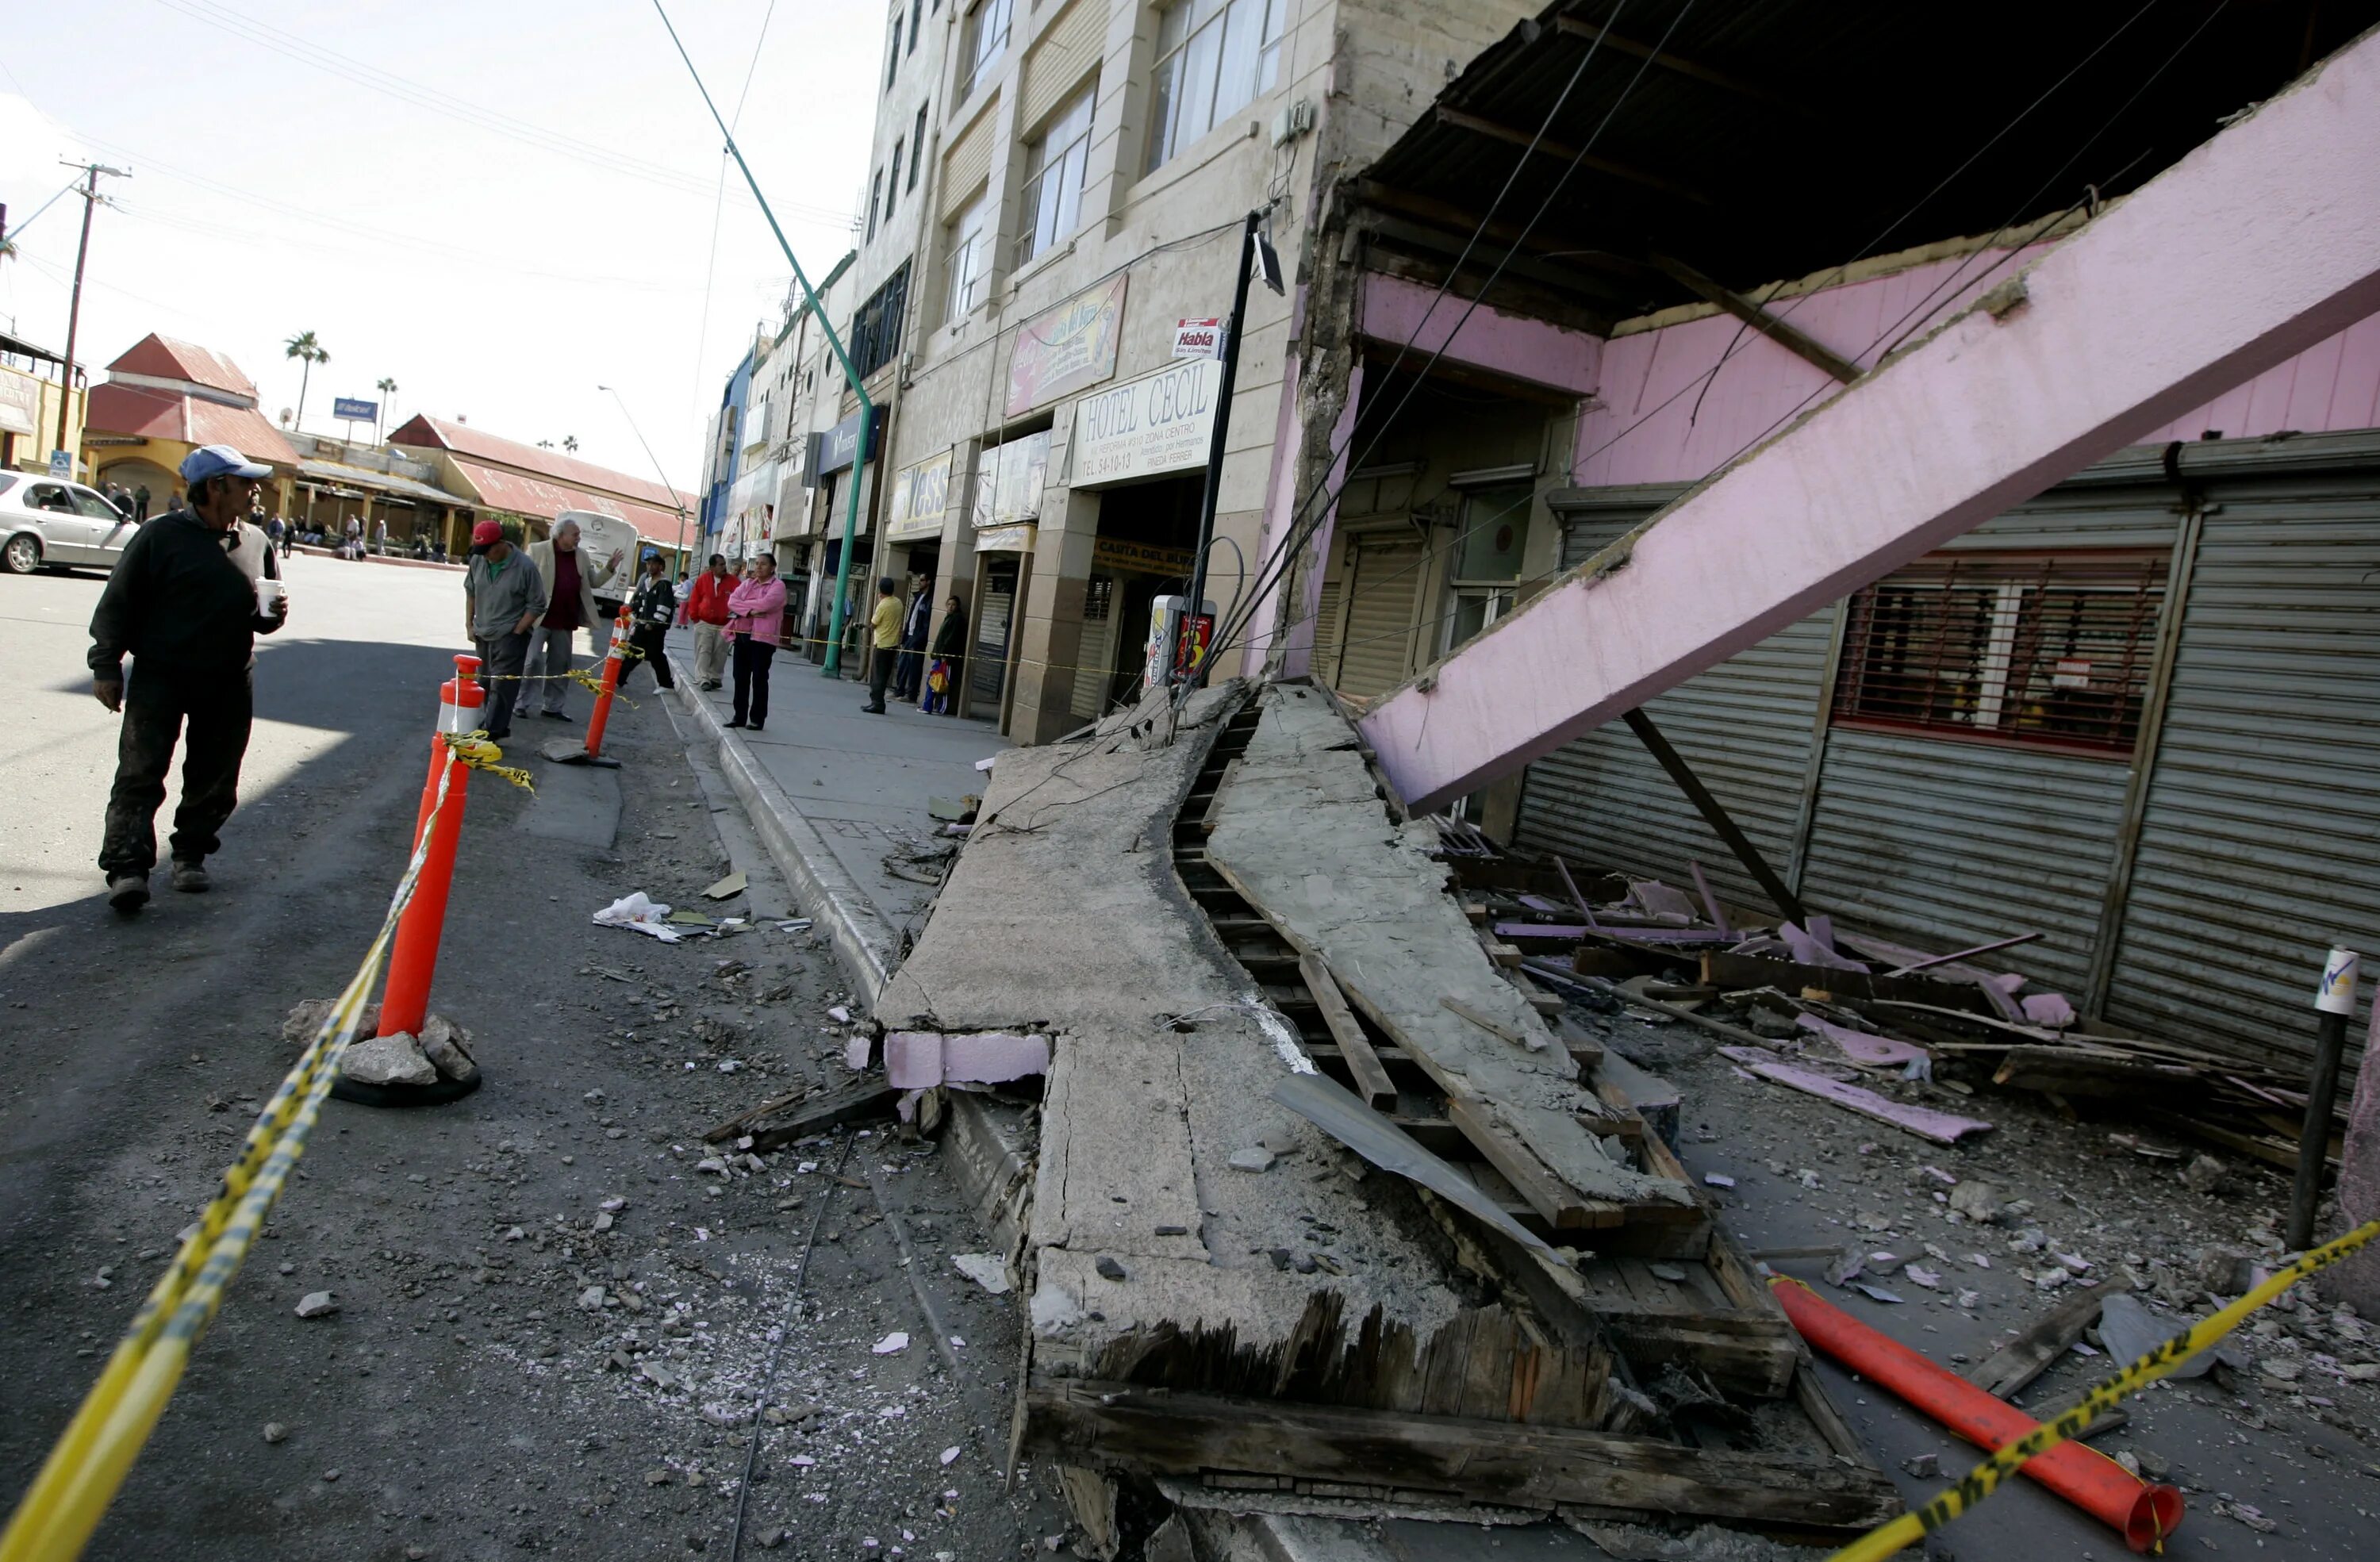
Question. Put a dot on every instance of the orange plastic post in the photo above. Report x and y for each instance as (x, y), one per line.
(612, 660)
(2144, 1514)
(413, 957)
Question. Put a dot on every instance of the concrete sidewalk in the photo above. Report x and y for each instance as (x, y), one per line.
(836, 793)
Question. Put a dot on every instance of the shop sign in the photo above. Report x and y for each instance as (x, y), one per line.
(1009, 480)
(1198, 338)
(354, 409)
(919, 495)
(1158, 423)
(1005, 540)
(841, 445)
(1139, 558)
(1066, 349)
(20, 404)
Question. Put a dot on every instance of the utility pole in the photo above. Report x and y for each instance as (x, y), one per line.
(90, 192)
(1255, 254)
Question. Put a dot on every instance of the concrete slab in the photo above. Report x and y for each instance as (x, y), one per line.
(576, 804)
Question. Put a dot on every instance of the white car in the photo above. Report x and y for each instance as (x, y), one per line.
(47, 524)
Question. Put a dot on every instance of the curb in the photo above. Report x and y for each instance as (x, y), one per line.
(864, 941)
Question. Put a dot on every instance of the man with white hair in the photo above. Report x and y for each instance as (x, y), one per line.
(571, 578)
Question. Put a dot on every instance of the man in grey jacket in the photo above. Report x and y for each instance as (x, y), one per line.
(502, 598)
(571, 575)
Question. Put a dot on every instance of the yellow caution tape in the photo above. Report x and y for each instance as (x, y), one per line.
(477, 751)
(1987, 1477)
(58, 1512)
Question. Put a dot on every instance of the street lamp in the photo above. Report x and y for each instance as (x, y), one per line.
(657, 472)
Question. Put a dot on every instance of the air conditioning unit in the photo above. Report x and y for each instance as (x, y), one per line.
(1293, 121)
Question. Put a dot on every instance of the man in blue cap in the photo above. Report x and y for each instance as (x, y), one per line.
(185, 600)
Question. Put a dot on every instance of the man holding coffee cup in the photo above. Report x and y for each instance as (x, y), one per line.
(191, 592)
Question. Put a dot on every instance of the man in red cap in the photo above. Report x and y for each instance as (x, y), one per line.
(502, 598)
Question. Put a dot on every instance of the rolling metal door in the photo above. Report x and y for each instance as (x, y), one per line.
(2260, 842)
(1385, 574)
(1944, 842)
(1744, 726)
(1327, 603)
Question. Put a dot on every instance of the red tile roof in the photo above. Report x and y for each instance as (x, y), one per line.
(154, 413)
(462, 440)
(161, 357)
(500, 489)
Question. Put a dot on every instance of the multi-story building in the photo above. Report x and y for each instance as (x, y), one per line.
(722, 453)
(1055, 192)
(34, 381)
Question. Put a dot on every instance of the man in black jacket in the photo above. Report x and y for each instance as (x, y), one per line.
(189, 613)
(649, 612)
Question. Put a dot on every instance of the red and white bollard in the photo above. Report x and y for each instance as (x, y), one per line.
(413, 957)
(592, 752)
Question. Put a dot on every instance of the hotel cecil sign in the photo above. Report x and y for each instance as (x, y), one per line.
(1148, 426)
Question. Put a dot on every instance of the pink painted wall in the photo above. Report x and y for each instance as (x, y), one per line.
(1631, 436)
(1396, 312)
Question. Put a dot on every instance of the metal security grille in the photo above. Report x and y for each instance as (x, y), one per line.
(876, 329)
(2039, 649)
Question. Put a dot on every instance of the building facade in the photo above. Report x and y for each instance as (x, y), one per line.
(35, 388)
(504, 479)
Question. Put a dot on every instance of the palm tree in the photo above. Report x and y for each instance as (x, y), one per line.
(306, 350)
(387, 390)
(570, 443)
(546, 444)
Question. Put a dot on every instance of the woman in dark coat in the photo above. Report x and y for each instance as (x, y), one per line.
(949, 655)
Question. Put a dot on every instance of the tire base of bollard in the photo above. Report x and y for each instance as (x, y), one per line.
(357, 1093)
(562, 752)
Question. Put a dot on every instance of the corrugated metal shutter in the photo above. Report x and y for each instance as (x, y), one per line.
(1096, 655)
(1377, 653)
(1068, 51)
(1744, 726)
(1945, 841)
(968, 163)
(1327, 603)
(2257, 848)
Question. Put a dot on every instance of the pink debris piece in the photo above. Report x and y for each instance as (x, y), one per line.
(1859, 1047)
(1941, 1128)
(2049, 1009)
(1809, 951)
(919, 1060)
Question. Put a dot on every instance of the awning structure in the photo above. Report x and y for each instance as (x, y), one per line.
(544, 497)
(383, 483)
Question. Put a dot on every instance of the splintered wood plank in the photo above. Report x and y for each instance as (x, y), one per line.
(1304, 839)
(1091, 1421)
(1371, 1076)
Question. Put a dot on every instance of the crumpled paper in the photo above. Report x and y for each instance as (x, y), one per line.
(639, 913)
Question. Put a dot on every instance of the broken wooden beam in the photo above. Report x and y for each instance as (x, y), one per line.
(1372, 1082)
(1939, 1128)
(1195, 1436)
(2006, 1370)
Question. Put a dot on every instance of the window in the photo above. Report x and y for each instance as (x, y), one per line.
(967, 245)
(893, 186)
(914, 7)
(1054, 179)
(2042, 649)
(875, 199)
(1213, 56)
(876, 329)
(917, 141)
(892, 56)
(987, 36)
(1488, 558)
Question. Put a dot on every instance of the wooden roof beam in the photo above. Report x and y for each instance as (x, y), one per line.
(1777, 329)
(1545, 146)
(1692, 70)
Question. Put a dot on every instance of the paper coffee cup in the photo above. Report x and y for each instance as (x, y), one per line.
(270, 594)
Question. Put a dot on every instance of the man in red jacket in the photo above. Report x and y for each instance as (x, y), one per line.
(706, 609)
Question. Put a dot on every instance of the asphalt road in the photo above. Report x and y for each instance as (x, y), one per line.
(466, 1399)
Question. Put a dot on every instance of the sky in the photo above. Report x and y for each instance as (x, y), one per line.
(499, 204)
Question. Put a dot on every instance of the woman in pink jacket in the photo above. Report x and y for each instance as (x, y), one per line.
(756, 618)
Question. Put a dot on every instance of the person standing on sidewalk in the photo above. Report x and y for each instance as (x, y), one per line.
(950, 651)
(188, 611)
(649, 612)
(884, 642)
(757, 607)
(571, 577)
(911, 673)
(501, 598)
(706, 609)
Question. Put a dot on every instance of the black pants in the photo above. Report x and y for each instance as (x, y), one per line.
(650, 641)
(501, 660)
(880, 673)
(910, 676)
(157, 706)
(752, 659)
